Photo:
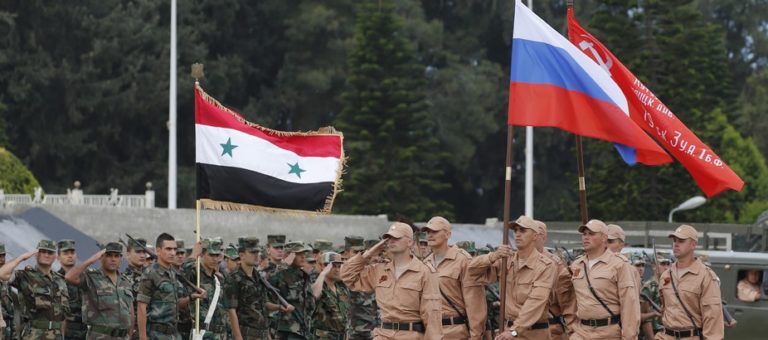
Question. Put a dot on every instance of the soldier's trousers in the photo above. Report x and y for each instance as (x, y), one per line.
(584, 332)
(455, 332)
(390, 334)
(556, 332)
(30, 333)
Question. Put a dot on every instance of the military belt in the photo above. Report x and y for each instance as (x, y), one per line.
(329, 334)
(683, 334)
(163, 328)
(250, 331)
(108, 330)
(76, 326)
(602, 322)
(555, 320)
(538, 325)
(455, 320)
(404, 326)
(41, 324)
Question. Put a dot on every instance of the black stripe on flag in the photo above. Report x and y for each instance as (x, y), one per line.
(237, 185)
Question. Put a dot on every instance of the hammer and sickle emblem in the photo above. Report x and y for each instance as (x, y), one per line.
(605, 64)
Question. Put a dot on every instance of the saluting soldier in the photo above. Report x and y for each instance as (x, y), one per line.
(294, 285)
(67, 256)
(690, 292)
(407, 290)
(43, 294)
(562, 304)
(332, 299)
(137, 258)
(363, 313)
(159, 303)
(530, 276)
(607, 299)
(209, 251)
(107, 296)
(463, 299)
(353, 245)
(7, 296)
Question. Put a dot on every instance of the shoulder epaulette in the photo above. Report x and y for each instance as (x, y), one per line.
(91, 270)
(465, 253)
(546, 259)
(622, 257)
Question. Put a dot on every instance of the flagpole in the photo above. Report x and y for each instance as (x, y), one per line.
(172, 115)
(505, 233)
(529, 160)
(580, 169)
(197, 240)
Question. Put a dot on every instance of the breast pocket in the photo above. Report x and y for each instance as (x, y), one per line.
(384, 288)
(43, 298)
(409, 292)
(606, 285)
(523, 289)
(106, 297)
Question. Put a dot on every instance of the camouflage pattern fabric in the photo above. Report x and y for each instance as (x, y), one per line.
(293, 284)
(76, 329)
(330, 317)
(248, 296)
(44, 299)
(133, 276)
(158, 289)
(6, 300)
(105, 303)
(651, 288)
(185, 314)
(217, 329)
(491, 293)
(362, 316)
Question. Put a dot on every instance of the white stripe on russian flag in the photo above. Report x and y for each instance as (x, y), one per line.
(258, 155)
(529, 26)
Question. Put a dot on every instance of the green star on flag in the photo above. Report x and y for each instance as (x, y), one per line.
(295, 169)
(227, 148)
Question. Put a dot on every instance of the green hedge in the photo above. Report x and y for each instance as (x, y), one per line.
(15, 178)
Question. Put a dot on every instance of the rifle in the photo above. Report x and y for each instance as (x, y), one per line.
(152, 255)
(650, 302)
(727, 317)
(282, 300)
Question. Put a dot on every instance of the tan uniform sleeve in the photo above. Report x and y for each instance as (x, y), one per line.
(431, 307)
(713, 325)
(746, 293)
(482, 271)
(630, 302)
(566, 298)
(538, 300)
(357, 275)
(474, 304)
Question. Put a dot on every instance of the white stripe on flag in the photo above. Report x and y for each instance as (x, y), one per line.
(258, 155)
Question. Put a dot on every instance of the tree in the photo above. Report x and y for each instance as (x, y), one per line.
(15, 178)
(394, 160)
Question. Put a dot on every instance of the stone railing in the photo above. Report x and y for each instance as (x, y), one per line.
(75, 196)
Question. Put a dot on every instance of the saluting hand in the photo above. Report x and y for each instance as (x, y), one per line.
(288, 260)
(28, 254)
(376, 249)
(96, 257)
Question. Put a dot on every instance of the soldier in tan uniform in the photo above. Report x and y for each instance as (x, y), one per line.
(690, 292)
(616, 242)
(463, 300)
(562, 304)
(607, 299)
(407, 290)
(748, 289)
(530, 276)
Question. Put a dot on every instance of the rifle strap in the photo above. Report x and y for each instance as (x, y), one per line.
(453, 305)
(677, 295)
(594, 293)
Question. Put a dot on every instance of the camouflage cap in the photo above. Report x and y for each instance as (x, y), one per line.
(46, 245)
(420, 236)
(66, 245)
(114, 247)
(180, 246)
(637, 258)
(2, 248)
(370, 243)
(483, 250)
(248, 243)
(311, 257)
(322, 245)
(276, 240)
(354, 242)
(212, 246)
(231, 252)
(663, 258)
(137, 244)
(469, 246)
(296, 247)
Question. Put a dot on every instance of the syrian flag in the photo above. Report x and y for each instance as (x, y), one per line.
(244, 166)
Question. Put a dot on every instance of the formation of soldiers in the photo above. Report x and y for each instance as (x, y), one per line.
(411, 284)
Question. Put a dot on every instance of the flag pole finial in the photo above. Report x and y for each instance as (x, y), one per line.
(197, 71)
(570, 3)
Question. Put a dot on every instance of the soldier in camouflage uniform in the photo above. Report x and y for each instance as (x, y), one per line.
(422, 246)
(363, 313)
(43, 293)
(107, 296)
(246, 295)
(159, 304)
(332, 299)
(137, 257)
(651, 289)
(468, 246)
(76, 329)
(7, 297)
(185, 314)
(209, 251)
(275, 244)
(232, 259)
(352, 246)
(294, 285)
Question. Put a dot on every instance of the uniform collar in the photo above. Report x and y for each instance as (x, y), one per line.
(414, 265)
(602, 258)
(451, 254)
(534, 254)
(693, 268)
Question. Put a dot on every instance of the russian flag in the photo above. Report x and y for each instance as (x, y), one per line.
(554, 84)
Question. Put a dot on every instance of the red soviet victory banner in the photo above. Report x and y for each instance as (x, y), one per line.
(709, 171)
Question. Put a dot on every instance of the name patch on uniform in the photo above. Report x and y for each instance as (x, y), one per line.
(666, 281)
(382, 279)
(576, 272)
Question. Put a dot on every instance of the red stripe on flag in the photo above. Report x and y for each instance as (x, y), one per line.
(575, 112)
(207, 113)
